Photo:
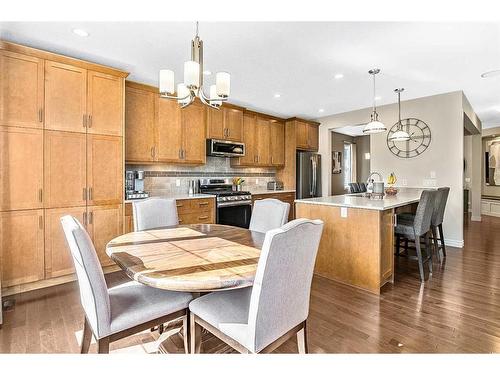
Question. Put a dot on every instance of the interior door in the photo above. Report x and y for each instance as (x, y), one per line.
(277, 143)
(21, 247)
(139, 125)
(104, 224)
(233, 123)
(21, 90)
(169, 131)
(193, 129)
(263, 141)
(65, 171)
(104, 169)
(104, 104)
(65, 97)
(21, 168)
(58, 260)
(215, 123)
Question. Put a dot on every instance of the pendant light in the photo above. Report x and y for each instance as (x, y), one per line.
(400, 135)
(374, 126)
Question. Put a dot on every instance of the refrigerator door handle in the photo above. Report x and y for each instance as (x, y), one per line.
(314, 179)
(311, 181)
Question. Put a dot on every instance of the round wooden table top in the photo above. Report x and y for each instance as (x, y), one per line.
(189, 258)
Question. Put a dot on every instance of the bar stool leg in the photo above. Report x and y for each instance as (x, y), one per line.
(435, 242)
(419, 256)
(428, 249)
(441, 236)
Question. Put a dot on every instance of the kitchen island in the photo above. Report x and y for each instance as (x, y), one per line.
(357, 246)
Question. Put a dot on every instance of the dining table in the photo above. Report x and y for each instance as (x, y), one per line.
(197, 258)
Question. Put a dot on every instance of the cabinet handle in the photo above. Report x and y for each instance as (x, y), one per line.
(180, 221)
(84, 121)
(90, 193)
(40, 222)
(202, 217)
(40, 195)
(180, 154)
(89, 121)
(85, 218)
(91, 217)
(40, 115)
(152, 152)
(203, 204)
(84, 193)
(272, 159)
(179, 205)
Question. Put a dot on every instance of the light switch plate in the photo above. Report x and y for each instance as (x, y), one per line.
(256, 181)
(343, 211)
(433, 174)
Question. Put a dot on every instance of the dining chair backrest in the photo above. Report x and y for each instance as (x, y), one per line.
(423, 215)
(282, 285)
(93, 289)
(440, 206)
(268, 214)
(153, 213)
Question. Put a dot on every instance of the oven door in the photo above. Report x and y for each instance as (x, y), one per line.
(237, 215)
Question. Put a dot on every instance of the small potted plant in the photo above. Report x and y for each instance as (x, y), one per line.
(237, 183)
(391, 190)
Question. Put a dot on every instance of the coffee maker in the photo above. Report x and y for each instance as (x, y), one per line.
(134, 185)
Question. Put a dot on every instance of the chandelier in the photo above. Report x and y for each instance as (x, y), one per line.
(192, 86)
(374, 126)
(400, 134)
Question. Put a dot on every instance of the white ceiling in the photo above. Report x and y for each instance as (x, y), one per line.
(298, 60)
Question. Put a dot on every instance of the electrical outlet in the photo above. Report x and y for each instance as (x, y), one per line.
(256, 181)
(404, 182)
(343, 211)
(177, 182)
(433, 174)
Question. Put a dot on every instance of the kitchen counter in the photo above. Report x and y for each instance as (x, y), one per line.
(265, 191)
(176, 196)
(402, 198)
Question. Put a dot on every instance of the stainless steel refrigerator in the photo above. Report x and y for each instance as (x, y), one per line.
(308, 175)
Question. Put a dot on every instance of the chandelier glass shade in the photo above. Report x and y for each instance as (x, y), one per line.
(400, 135)
(374, 126)
(192, 87)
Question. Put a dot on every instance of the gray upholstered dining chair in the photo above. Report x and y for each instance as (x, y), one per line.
(153, 213)
(121, 311)
(418, 228)
(436, 220)
(268, 214)
(262, 317)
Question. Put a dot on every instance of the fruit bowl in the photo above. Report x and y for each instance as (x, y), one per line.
(391, 191)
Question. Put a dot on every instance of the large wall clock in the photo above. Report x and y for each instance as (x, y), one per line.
(420, 138)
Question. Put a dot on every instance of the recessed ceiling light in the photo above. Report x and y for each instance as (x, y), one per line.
(80, 32)
(321, 110)
(491, 73)
(378, 98)
(339, 76)
(207, 72)
(277, 95)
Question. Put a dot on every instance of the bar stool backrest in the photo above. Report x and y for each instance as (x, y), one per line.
(424, 213)
(440, 206)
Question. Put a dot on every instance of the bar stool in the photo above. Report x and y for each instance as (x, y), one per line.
(419, 228)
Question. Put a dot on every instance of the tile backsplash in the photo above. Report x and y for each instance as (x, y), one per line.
(170, 179)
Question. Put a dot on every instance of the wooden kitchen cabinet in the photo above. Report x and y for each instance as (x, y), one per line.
(263, 131)
(21, 247)
(288, 197)
(103, 224)
(168, 131)
(104, 104)
(104, 169)
(21, 90)
(313, 137)
(250, 141)
(225, 123)
(277, 143)
(140, 119)
(65, 169)
(21, 168)
(307, 135)
(215, 123)
(58, 260)
(65, 97)
(193, 120)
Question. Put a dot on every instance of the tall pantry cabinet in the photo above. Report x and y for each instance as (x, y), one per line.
(61, 153)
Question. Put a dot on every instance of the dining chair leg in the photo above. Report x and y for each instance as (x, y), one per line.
(302, 340)
(441, 236)
(87, 337)
(185, 333)
(419, 256)
(103, 345)
(435, 242)
(406, 246)
(195, 332)
(428, 250)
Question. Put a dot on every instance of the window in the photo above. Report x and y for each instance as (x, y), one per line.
(349, 164)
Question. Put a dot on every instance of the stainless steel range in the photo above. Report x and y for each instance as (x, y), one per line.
(232, 207)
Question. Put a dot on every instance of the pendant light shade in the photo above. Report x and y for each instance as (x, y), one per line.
(400, 135)
(374, 126)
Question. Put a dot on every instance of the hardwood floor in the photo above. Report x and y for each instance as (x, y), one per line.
(456, 311)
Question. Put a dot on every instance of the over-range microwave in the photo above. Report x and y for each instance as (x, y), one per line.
(217, 147)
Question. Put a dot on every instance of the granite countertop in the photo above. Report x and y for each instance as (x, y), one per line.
(177, 196)
(257, 191)
(404, 197)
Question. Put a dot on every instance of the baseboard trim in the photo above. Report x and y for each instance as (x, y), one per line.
(454, 243)
(475, 218)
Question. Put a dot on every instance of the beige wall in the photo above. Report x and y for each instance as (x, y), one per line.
(444, 157)
(362, 164)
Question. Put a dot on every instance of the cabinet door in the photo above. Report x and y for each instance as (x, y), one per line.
(277, 143)
(263, 141)
(233, 123)
(193, 120)
(21, 168)
(215, 123)
(139, 125)
(104, 169)
(313, 137)
(58, 260)
(65, 97)
(21, 247)
(104, 224)
(21, 90)
(301, 135)
(169, 131)
(250, 141)
(65, 172)
(104, 104)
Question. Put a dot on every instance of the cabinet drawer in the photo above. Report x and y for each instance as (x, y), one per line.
(203, 205)
(197, 218)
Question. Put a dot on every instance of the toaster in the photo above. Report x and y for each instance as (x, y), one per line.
(275, 185)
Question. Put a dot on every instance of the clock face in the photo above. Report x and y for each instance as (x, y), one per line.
(420, 138)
